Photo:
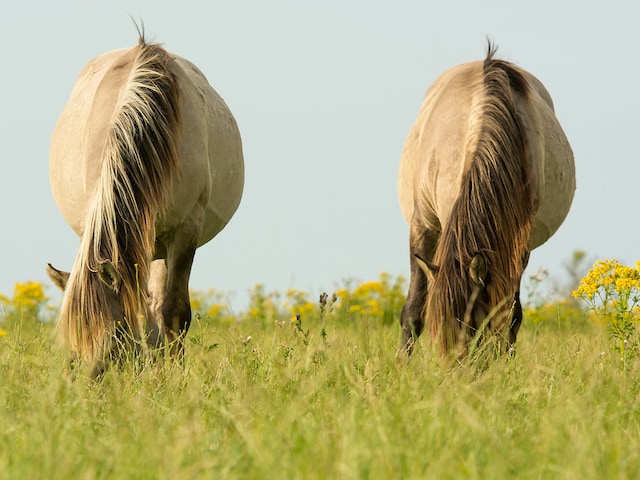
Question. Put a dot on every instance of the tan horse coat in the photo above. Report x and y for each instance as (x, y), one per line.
(435, 162)
(92, 168)
(211, 151)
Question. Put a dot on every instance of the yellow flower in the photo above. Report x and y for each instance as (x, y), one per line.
(355, 308)
(613, 284)
(215, 310)
(368, 288)
(3, 333)
(29, 295)
(373, 307)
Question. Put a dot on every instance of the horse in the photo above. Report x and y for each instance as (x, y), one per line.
(146, 165)
(486, 175)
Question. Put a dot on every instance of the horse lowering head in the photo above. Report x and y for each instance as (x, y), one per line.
(146, 165)
(486, 175)
(107, 274)
(102, 289)
(466, 300)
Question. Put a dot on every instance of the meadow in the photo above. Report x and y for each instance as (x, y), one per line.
(297, 387)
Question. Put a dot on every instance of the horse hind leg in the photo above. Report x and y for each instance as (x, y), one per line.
(157, 286)
(175, 305)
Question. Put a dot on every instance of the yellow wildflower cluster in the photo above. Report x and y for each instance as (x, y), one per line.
(612, 291)
(263, 305)
(609, 280)
(28, 300)
(213, 304)
(381, 299)
(29, 296)
(297, 304)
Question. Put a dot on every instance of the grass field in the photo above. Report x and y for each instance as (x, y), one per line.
(325, 397)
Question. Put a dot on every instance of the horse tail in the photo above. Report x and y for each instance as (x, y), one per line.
(494, 212)
(139, 163)
(502, 153)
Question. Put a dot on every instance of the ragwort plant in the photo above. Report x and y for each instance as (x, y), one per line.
(612, 292)
(382, 298)
(212, 304)
(28, 302)
(27, 308)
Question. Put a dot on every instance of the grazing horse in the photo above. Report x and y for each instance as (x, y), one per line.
(146, 165)
(486, 175)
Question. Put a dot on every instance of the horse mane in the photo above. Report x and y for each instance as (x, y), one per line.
(493, 214)
(140, 160)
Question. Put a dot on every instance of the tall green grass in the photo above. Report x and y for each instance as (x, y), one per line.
(325, 398)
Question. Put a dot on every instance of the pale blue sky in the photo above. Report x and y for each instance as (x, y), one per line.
(324, 94)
